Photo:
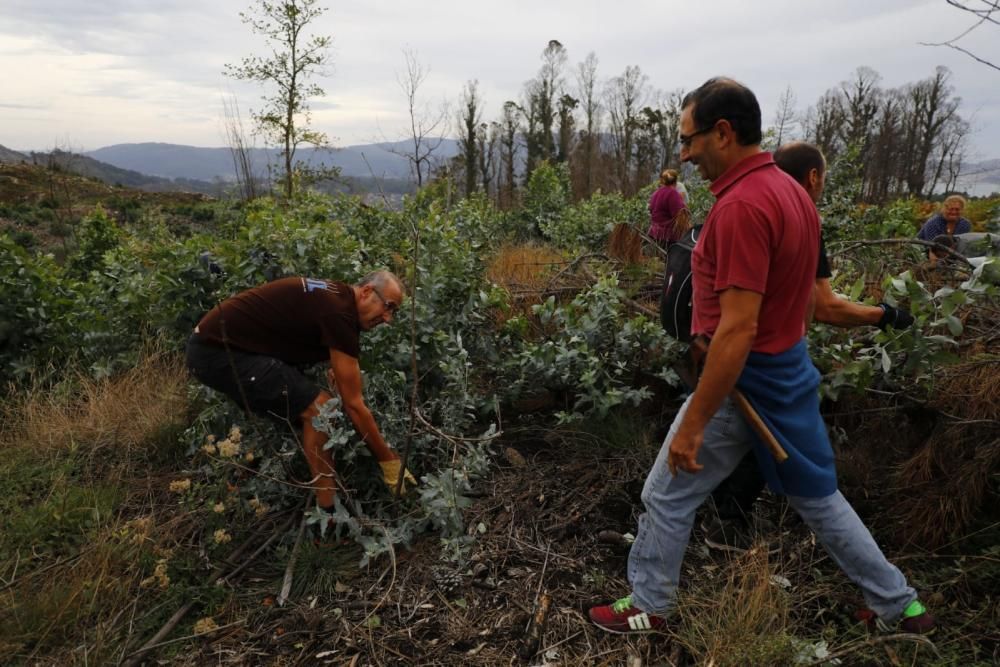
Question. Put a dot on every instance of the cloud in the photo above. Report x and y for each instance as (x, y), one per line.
(153, 70)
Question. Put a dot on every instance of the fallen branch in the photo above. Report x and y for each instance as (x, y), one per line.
(852, 244)
(536, 630)
(632, 303)
(286, 584)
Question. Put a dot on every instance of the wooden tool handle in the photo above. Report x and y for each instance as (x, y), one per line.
(759, 426)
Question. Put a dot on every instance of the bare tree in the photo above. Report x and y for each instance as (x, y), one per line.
(785, 118)
(295, 58)
(550, 90)
(949, 153)
(539, 100)
(823, 123)
(567, 123)
(427, 127)
(240, 150)
(469, 120)
(932, 107)
(985, 12)
(508, 129)
(859, 102)
(625, 96)
(587, 93)
(487, 137)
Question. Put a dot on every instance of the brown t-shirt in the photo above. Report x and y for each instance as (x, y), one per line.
(296, 320)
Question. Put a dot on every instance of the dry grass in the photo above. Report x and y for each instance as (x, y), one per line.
(743, 622)
(525, 271)
(625, 244)
(945, 484)
(970, 389)
(72, 455)
(123, 412)
(524, 267)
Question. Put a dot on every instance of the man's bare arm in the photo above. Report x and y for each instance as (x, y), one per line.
(348, 381)
(832, 309)
(726, 357)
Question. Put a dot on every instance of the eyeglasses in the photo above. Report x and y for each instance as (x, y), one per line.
(686, 139)
(389, 305)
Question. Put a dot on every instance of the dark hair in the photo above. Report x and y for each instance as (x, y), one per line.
(798, 158)
(721, 98)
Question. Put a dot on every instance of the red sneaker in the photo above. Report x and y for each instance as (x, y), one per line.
(622, 618)
(915, 620)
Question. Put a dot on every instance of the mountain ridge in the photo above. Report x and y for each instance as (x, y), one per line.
(209, 163)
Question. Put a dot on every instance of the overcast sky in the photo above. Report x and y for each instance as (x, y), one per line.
(81, 75)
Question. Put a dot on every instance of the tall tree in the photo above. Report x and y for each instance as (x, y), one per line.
(590, 103)
(626, 96)
(427, 126)
(550, 90)
(469, 120)
(487, 137)
(785, 116)
(541, 96)
(567, 122)
(859, 102)
(933, 106)
(508, 129)
(295, 58)
(823, 123)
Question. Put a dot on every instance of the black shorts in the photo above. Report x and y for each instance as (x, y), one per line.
(266, 385)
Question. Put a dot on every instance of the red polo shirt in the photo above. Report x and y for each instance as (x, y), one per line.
(761, 235)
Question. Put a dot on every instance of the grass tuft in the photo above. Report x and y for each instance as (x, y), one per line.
(742, 623)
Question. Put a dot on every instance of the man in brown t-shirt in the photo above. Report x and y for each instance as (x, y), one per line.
(248, 345)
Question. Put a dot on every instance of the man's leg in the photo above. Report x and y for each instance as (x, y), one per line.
(734, 498)
(852, 547)
(664, 529)
(729, 529)
(320, 460)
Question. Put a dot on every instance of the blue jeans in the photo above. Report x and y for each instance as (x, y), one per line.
(654, 564)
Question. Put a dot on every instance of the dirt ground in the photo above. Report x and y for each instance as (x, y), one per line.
(540, 523)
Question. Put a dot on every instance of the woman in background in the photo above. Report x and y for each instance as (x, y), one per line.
(664, 208)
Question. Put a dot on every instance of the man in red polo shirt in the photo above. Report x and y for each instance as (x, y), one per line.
(753, 275)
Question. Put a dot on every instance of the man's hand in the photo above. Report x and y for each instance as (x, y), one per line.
(897, 318)
(683, 452)
(390, 474)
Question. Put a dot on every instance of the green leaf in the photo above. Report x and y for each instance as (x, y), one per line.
(954, 325)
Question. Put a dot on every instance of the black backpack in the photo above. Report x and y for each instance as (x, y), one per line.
(675, 301)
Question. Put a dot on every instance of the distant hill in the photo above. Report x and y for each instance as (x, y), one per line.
(206, 164)
(84, 165)
(980, 178)
(7, 156)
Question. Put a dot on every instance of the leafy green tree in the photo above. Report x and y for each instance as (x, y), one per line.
(295, 58)
(96, 235)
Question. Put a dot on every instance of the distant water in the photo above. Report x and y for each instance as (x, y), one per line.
(976, 187)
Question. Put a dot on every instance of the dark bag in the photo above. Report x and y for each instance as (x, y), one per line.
(675, 301)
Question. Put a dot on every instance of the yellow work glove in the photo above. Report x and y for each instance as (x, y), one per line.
(390, 473)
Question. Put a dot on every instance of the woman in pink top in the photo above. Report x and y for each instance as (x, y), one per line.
(664, 207)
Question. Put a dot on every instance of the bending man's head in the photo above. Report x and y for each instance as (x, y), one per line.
(379, 295)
